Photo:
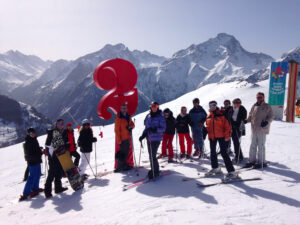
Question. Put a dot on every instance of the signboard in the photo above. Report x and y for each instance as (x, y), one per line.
(277, 83)
(298, 87)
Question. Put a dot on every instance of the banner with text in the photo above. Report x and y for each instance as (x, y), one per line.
(277, 82)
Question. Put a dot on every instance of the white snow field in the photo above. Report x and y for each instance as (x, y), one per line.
(273, 200)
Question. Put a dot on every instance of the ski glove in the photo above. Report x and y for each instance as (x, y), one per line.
(94, 139)
(264, 123)
(46, 151)
(152, 129)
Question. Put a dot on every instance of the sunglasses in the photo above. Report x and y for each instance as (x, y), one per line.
(237, 103)
(69, 127)
(86, 124)
(60, 124)
(183, 110)
(259, 97)
(154, 106)
(212, 105)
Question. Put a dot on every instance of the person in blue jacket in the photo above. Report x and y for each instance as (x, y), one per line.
(155, 125)
(198, 117)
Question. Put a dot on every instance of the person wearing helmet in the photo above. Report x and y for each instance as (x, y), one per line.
(85, 142)
(198, 117)
(33, 156)
(123, 131)
(54, 141)
(155, 126)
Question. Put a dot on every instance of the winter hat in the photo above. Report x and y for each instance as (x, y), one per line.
(154, 104)
(196, 100)
(30, 130)
(167, 110)
(68, 125)
(61, 121)
(227, 101)
(85, 121)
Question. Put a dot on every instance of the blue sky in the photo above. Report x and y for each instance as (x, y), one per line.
(54, 29)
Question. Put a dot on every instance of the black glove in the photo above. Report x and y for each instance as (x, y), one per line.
(67, 146)
(94, 139)
(46, 151)
(141, 138)
(245, 121)
(129, 128)
(152, 129)
(264, 123)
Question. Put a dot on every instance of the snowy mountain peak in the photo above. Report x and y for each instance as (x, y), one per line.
(293, 54)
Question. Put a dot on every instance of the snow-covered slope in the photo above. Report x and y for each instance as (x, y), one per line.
(16, 68)
(274, 200)
(15, 118)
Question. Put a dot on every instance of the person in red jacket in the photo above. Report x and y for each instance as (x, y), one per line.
(72, 149)
(218, 130)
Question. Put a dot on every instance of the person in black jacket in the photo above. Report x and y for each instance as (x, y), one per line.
(237, 123)
(183, 121)
(33, 156)
(168, 135)
(85, 142)
(54, 141)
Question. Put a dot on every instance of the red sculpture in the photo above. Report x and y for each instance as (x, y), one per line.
(120, 77)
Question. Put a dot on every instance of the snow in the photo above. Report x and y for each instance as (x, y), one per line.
(274, 200)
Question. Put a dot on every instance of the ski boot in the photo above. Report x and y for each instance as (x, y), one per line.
(182, 155)
(188, 156)
(230, 177)
(214, 172)
(60, 190)
(196, 153)
(162, 156)
(170, 160)
(23, 198)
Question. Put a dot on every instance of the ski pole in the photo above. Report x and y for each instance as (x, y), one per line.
(140, 153)
(176, 146)
(132, 145)
(240, 140)
(151, 153)
(90, 165)
(95, 145)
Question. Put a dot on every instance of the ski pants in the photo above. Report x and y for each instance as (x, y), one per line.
(258, 141)
(77, 157)
(236, 138)
(152, 150)
(188, 139)
(224, 154)
(123, 154)
(198, 139)
(85, 160)
(54, 173)
(33, 181)
(167, 142)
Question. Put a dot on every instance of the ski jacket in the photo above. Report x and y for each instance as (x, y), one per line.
(69, 136)
(217, 125)
(170, 124)
(228, 112)
(158, 122)
(32, 151)
(241, 117)
(198, 117)
(182, 123)
(86, 139)
(258, 114)
(122, 130)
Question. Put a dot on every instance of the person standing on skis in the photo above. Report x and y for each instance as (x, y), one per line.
(33, 156)
(218, 131)
(168, 135)
(198, 117)
(260, 117)
(227, 110)
(85, 142)
(183, 121)
(54, 141)
(155, 126)
(69, 135)
(123, 131)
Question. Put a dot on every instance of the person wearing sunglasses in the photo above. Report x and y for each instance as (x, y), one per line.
(54, 141)
(260, 117)
(219, 131)
(238, 128)
(183, 121)
(198, 117)
(123, 132)
(85, 142)
(227, 110)
(168, 135)
(155, 126)
(33, 156)
(69, 135)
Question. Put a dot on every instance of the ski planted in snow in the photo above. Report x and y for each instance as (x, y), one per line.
(227, 182)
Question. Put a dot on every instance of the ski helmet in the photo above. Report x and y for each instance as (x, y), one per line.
(155, 104)
(30, 130)
(85, 121)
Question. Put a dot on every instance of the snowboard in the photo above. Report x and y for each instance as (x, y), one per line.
(69, 168)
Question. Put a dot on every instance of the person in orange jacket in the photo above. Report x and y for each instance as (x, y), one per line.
(218, 130)
(123, 128)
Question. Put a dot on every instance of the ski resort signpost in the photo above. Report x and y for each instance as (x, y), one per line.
(119, 77)
(277, 87)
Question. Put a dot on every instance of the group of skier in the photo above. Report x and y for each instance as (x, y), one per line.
(59, 137)
(222, 125)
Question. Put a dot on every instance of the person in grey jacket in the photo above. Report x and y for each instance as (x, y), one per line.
(260, 117)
